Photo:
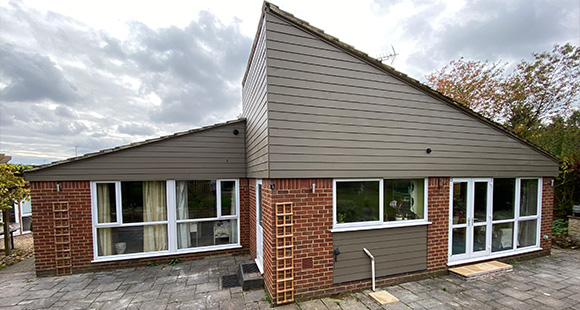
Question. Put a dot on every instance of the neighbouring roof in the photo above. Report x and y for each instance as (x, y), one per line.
(269, 7)
(132, 145)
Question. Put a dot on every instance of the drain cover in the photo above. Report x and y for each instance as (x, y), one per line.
(230, 281)
(250, 268)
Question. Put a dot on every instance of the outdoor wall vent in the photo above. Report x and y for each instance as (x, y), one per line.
(428, 150)
(236, 132)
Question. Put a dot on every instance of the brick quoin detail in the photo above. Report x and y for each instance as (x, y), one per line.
(438, 231)
(78, 196)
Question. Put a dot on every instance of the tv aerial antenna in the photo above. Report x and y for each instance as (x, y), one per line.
(388, 56)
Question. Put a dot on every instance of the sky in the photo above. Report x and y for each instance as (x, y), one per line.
(80, 76)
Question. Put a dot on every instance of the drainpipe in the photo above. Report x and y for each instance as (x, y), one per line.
(372, 265)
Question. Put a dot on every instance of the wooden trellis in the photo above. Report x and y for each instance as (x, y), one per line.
(62, 238)
(284, 253)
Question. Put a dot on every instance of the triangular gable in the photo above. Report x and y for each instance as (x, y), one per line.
(334, 111)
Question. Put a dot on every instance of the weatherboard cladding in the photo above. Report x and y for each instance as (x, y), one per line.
(396, 251)
(331, 114)
(254, 98)
(207, 153)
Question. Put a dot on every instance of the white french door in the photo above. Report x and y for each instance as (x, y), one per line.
(470, 218)
(259, 227)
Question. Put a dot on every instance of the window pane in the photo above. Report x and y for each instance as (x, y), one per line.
(357, 201)
(504, 191)
(106, 203)
(403, 199)
(199, 234)
(480, 202)
(529, 197)
(132, 202)
(459, 202)
(26, 207)
(479, 238)
(144, 201)
(527, 233)
(228, 197)
(135, 239)
(459, 237)
(196, 199)
(502, 237)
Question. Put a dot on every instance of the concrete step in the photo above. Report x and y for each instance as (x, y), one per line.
(481, 270)
(250, 277)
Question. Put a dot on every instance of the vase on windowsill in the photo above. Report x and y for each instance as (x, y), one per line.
(120, 247)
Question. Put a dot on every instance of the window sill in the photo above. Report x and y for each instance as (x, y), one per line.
(165, 253)
(380, 226)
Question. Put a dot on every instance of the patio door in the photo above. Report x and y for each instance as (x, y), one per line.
(470, 219)
(259, 227)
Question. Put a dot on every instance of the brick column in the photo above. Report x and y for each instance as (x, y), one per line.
(547, 214)
(245, 213)
(313, 259)
(438, 231)
(78, 195)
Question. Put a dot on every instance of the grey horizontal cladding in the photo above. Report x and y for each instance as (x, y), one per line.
(213, 153)
(396, 250)
(255, 109)
(332, 114)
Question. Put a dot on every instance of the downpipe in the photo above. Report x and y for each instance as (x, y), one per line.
(372, 265)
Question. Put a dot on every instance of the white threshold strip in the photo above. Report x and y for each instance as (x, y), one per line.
(494, 255)
(113, 258)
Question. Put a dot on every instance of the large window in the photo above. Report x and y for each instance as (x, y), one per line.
(516, 204)
(206, 213)
(379, 203)
(140, 219)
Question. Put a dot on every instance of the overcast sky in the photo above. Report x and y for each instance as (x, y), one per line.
(86, 75)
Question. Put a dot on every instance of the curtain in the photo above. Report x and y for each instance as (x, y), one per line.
(233, 200)
(154, 210)
(104, 235)
(183, 238)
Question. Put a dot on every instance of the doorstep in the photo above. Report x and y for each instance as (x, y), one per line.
(481, 270)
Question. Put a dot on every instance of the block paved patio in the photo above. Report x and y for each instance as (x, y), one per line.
(551, 282)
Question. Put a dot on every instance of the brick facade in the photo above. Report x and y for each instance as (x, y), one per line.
(547, 216)
(438, 231)
(78, 196)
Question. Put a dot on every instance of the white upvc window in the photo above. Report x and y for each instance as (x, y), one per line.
(378, 203)
(153, 218)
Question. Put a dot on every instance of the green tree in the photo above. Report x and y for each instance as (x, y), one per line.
(531, 95)
(561, 137)
(13, 189)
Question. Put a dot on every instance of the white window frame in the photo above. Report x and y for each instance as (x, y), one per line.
(171, 222)
(380, 224)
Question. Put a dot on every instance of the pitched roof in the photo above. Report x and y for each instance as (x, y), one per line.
(130, 146)
(271, 8)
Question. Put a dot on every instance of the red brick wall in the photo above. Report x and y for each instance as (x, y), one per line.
(78, 196)
(438, 231)
(547, 214)
(313, 259)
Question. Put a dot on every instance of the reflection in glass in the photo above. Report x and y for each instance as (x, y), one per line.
(357, 201)
(228, 197)
(529, 197)
(199, 234)
(459, 202)
(196, 199)
(504, 192)
(479, 238)
(134, 239)
(480, 202)
(502, 237)
(459, 238)
(527, 233)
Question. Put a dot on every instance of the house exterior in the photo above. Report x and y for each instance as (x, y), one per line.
(335, 153)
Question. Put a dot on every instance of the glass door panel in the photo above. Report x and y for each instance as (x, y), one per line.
(470, 218)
